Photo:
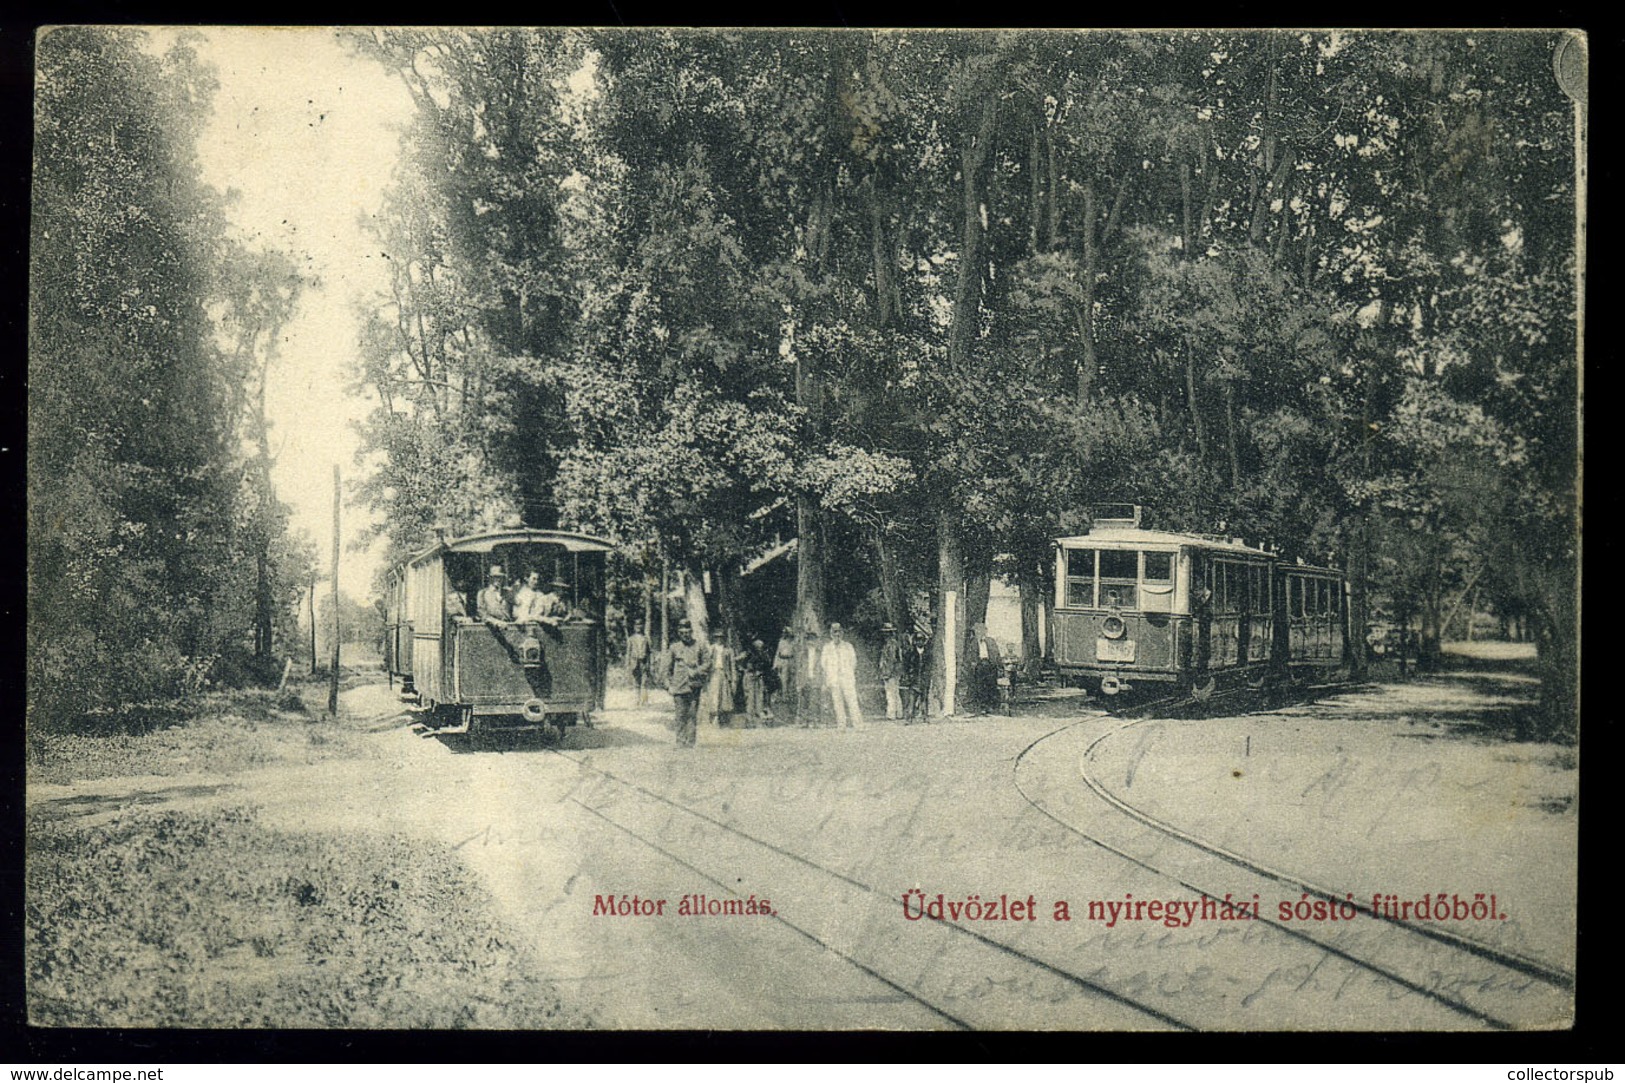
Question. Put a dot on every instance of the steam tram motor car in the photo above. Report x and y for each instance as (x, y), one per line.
(473, 676)
(1136, 607)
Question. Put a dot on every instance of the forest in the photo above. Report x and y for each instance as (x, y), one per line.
(913, 300)
(159, 559)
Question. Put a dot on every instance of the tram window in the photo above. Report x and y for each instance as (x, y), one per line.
(1119, 577)
(1336, 597)
(1294, 596)
(1159, 567)
(1120, 564)
(1080, 578)
(1325, 597)
(1080, 563)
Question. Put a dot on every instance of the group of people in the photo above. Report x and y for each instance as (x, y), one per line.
(523, 600)
(815, 678)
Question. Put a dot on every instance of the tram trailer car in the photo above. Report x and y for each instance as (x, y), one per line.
(1137, 607)
(470, 676)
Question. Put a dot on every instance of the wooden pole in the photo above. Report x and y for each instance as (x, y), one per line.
(648, 606)
(665, 602)
(313, 620)
(333, 677)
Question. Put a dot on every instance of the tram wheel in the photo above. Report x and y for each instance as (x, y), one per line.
(1203, 686)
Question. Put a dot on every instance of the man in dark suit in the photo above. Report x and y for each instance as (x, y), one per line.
(916, 664)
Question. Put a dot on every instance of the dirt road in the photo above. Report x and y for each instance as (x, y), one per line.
(830, 830)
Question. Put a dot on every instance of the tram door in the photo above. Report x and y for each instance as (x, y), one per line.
(1201, 603)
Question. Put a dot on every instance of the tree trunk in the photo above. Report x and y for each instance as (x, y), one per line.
(809, 565)
(891, 579)
(264, 615)
(1052, 235)
(1232, 437)
(978, 587)
(1261, 193)
(948, 654)
(726, 579)
(888, 306)
(694, 604)
(1035, 201)
(1360, 550)
(1470, 590)
(665, 603)
(1557, 639)
(1359, 597)
(1283, 224)
(1086, 318)
(648, 606)
(1031, 603)
(1195, 407)
(1187, 236)
(968, 290)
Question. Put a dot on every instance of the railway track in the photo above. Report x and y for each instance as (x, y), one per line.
(1497, 988)
(969, 980)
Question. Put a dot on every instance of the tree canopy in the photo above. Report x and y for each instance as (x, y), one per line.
(159, 559)
(917, 299)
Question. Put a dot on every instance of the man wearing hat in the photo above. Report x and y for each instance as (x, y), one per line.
(492, 603)
(890, 668)
(688, 669)
(550, 605)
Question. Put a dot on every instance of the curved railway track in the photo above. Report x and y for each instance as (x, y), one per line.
(1488, 984)
(930, 969)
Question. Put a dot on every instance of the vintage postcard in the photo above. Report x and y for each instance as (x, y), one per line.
(809, 530)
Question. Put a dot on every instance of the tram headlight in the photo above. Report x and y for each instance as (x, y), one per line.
(1113, 627)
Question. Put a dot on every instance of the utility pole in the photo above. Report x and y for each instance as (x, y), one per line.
(313, 620)
(665, 601)
(333, 677)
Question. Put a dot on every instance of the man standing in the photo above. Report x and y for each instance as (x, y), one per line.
(756, 665)
(841, 675)
(890, 669)
(493, 602)
(688, 668)
(809, 703)
(784, 665)
(985, 662)
(917, 675)
(637, 662)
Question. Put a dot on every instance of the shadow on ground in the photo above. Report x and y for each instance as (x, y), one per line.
(576, 738)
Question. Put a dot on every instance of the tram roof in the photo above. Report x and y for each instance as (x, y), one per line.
(1112, 536)
(570, 540)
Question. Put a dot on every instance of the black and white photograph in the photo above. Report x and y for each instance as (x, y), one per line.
(850, 530)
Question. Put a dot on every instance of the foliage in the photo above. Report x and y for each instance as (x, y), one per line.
(148, 509)
(934, 294)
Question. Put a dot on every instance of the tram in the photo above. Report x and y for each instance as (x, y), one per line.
(469, 673)
(1137, 607)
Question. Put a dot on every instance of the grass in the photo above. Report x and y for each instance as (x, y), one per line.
(215, 733)
(186, 919)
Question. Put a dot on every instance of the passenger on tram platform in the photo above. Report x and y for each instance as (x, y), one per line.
(527, 597)
(493, 600)
(551, 606)
(455, 605)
